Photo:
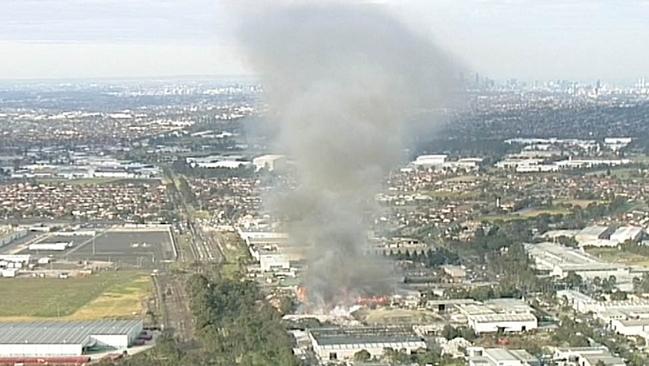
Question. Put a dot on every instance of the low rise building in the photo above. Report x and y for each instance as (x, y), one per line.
(492, 323)
(430, 161)
(559, 261)
(585, 356)
(479, 356)
(627, 233)
(592, 234)
(271, 261)
(456, 273)
(331, 344)
(504, 315)
(269, 162)
(9, 234)
(53, 339)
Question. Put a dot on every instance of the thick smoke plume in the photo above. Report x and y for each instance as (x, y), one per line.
(342, 82)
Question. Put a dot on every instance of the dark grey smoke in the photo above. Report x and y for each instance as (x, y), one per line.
(342, 83)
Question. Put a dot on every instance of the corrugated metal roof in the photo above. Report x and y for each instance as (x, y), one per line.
(48, 332)
(363, 335)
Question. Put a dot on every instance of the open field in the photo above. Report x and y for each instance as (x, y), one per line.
(235, 253)
(576, 202)
(615, 255)
(534, 212)
(103, 295)
(620, 173)
(526, 214)
(464, 195)
(462, 178)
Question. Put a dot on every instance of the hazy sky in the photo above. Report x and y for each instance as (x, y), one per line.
(529, 39)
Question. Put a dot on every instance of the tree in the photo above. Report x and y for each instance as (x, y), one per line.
(362, 356)
(449, 332)
(573, 280)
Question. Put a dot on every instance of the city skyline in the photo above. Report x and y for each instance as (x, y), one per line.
(497, 38)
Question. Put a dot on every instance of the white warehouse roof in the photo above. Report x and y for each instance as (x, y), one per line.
(49, 332)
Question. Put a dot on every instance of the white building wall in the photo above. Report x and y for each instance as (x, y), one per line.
(270, 262)
(135, 332)
(630, 330)
(346, 352)
(509, 326)
(112, 340)
(35, 350)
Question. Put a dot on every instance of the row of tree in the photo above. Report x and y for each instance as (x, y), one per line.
(235, 325)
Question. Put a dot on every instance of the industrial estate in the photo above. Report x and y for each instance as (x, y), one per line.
(364, 201)
(509, 251)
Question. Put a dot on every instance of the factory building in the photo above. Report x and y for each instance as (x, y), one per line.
(638, 327)
(455, 273)
(55, 339)
(217, 162)
(54, 247)
(466, 164)
(627, 233)
(269, 162)
(591, 235)
(559, 261)
(430, 161)
(9, 234)
(332, 344)
(479, 356)
(492, 323)
(11, 264)
(272, 261)
(263, 241)
(505, 315)
(585, 356)
(21, 259)
(625, 317)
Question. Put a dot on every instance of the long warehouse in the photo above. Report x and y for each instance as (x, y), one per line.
(51, 339)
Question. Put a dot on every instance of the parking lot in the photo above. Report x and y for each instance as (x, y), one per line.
(141, 249)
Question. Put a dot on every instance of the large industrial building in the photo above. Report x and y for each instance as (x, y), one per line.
(593, 236)
(9, 234)
(492, 323)
(269, 162)
(479, 356)
(559, 261)
(430, 161)
(627, 233)
(343, 343)
(55, 339)
(585, 356)
(506, 315)
(626, 317)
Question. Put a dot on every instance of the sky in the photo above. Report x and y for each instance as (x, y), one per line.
(524, 39)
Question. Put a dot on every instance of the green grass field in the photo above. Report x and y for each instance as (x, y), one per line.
(526, 214)
(615, 255)
(235, 253)
(103, 295)
(576, 202)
